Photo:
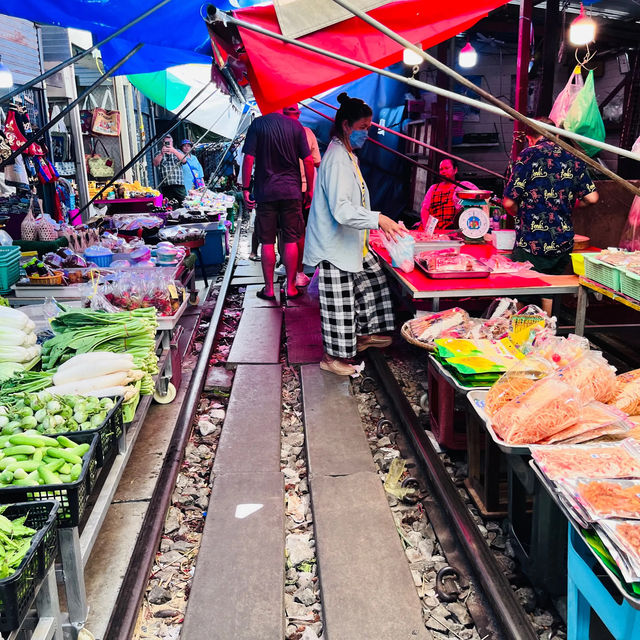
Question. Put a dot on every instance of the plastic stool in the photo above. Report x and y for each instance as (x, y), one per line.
(585, 591)
(443, 411)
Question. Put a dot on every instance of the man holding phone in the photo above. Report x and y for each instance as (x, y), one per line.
(169, 162)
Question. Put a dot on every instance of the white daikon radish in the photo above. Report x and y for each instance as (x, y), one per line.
(13, 318)
(15, 354)
(82, 387)
(94, 357)
(81, 371)
(109, 392)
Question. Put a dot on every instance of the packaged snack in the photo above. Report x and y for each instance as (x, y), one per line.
(561, 351)
(518, 379)
(608, 498)
(592, 375)
(605, 460)
(626, 396)
(596, 420)
(428, 328)
(548, 407)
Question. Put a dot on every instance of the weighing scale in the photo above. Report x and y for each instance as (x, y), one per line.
(475, 219)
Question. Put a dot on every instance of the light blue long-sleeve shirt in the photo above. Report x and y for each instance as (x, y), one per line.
(187, 176)
(338, 222)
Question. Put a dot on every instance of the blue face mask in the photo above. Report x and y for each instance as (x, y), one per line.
(358, 137)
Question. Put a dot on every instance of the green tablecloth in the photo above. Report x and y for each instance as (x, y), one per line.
(41, 247)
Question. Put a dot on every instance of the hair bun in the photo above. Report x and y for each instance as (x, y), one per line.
(343, 98)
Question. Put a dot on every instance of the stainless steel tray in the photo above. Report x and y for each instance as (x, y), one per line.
(451, 275)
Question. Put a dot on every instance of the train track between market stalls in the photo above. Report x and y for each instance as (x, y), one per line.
(466, 590)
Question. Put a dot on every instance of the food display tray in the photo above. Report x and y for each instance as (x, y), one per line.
(477, 400)
(168, 323)
(445, 373)
(72, 496)
(19, 589)
(73, 291)
(450, 275)
(568, 513)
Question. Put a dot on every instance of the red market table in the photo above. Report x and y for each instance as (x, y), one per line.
(420, 287)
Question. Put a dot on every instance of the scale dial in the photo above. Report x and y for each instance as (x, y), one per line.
(474, 223)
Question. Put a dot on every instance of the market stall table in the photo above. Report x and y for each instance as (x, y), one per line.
(420, 287)
(129, 205)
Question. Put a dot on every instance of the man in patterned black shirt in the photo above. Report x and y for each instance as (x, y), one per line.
(547, 183)
(169, 162)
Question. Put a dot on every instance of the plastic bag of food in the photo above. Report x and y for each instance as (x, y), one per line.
(560, 351)
(608, 498)
(596, 420)
(401, 252)
(592, 375)
(604, 460)
(437, 325)
(548, 407)
(622, 539)
(520, 378)
(626, 396)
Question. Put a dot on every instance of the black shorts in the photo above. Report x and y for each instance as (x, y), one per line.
(284, 216)
(551, 265)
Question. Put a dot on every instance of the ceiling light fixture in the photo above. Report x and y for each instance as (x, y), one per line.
(411, 58)
(583, 29)
(467, 57)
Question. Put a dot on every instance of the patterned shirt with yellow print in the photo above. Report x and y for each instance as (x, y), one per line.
(545, 184)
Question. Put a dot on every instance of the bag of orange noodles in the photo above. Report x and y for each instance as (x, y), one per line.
(626, 396)
(518, 379)
(592, 375)
(549, 406)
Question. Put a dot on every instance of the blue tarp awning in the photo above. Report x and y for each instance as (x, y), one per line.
(173, 35)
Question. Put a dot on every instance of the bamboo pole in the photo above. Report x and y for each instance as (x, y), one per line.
(533, 124)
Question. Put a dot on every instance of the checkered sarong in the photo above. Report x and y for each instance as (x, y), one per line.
(353, 304)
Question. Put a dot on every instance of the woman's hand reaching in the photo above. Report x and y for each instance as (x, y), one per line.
(391, 228)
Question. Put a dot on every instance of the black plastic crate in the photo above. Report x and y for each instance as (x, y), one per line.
(108, 433)
(73, 496)
(18, 591)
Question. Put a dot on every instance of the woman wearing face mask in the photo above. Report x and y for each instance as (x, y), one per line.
(355, 302)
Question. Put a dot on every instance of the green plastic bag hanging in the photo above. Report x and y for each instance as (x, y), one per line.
(584, 116)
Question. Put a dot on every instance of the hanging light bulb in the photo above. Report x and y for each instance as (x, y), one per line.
(6, 77)
(411, 58)
(583, 29)
(467, 56)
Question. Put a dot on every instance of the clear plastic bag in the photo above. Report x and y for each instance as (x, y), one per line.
(401, 251)
(626, 395)
(520, 378)
(548, 407)
(592, 375)
(561, 351)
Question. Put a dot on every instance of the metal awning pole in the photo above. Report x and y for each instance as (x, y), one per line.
(40, 132)
(82, 54)
(522, 74)
(533, 124)
(416, 141)
(391, 150)
(538, 126)
(152, 141)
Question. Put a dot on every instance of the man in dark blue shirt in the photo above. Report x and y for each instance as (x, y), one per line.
(275, 144)
(547, 183)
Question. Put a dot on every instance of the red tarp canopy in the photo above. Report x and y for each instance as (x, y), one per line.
(281, 73)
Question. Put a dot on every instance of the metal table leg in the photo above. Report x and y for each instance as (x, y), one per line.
(581, 311)
(48, 607)
(73, 572)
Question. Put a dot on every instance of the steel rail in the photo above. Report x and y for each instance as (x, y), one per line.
(495, 586)
(126, 609)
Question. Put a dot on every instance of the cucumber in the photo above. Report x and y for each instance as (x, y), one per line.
(48, 476)
(64, 455)
(21, 449)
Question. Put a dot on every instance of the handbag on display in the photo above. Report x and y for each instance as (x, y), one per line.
(29, 227)
(99, 166)
(47, 229)
(105, 122)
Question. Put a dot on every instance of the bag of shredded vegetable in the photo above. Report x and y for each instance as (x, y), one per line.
(549, 406)
(626, 396)
(521, 377)
(592, 375)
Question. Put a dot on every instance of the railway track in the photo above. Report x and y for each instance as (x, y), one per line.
(472, 575)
